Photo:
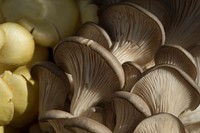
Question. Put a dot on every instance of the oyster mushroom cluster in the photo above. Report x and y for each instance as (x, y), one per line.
(135, 71)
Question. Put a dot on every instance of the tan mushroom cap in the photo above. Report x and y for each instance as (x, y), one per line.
(84, 124)
(160, 123)
(129, 110)
(95, 71)
(53, 86)
(93, 31)
(165, 89)
(177, 56)
(132, 73)
(136, 33)
(194, 128)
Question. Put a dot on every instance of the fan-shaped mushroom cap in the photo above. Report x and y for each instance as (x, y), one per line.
(6, 104)
(160, 123)
(159, 9)
(130, 110)
(132, 73)
(178, 57)
(136, 33)
(95, 71)
(165, 89)
(53, 86)
(84, 124)
(185, 26)
(94, 32)
(194, 128)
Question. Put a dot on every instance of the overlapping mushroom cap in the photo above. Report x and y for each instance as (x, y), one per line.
(95, 71)
(135, 32)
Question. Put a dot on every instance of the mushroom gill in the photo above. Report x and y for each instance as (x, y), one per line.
(53, 89)
(178, 57)
(135, 32)
(165, 89)
(129, 110)
(132, 73)
(93, 31)
(95, 71)
(185, 27)
(160, 123)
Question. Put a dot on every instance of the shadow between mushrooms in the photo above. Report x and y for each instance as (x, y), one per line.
(165, 89)
(135, 32)
(95, 71)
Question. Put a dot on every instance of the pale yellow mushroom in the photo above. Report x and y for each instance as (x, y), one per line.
(25, 95)
(16, 46)
(6, 104)
(48, 21)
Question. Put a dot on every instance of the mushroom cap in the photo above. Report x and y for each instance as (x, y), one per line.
(129, 110)
(93, 31)
(166, 89)
(42, 19)
(6, 103)
(17, 44)
(95, 71)
(53, 86)
(132, 73)
(177, 56)
(85, 124)
(25, 98)
(160, 123)
(184, 29)
(136, 33)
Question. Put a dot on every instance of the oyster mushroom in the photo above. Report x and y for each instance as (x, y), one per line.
(135, 32)
(94, 32)
(184, 29)
(130, 110)
(132, 73)
(178, 57)
(53, 89)
(48, 21)
(159, 86)
(160, 123)
(6, 104)
(95, 71)
(195, 128)
(85, 125)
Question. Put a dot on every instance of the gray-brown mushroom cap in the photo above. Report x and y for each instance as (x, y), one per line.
(95, 71)
(177, 56)
(93, 31)
(135, 32)
(160, 123)
(53, 86)
(165, 89)
(83, 124)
